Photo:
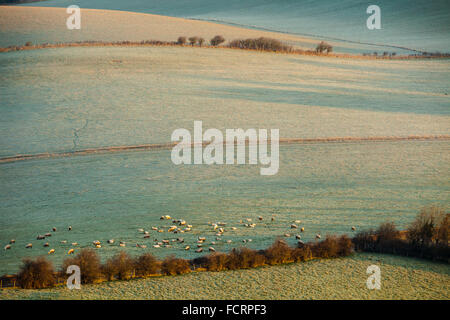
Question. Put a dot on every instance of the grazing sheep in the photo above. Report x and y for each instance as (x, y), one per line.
(51, 251)
(161, 230)
(318, 236)
(233, 228)
(287, 235)
(298, 237)
(154, 228)
(12, 241)
(199, 250)
(211, 249)
(63, 241)
(244, 241)
(141, 230)
(46, 244)
(221, 230)
(146, 236)
(54, 229)
(294, 226)
(180, 240)
(182, 223)
(48, 234)
(272, 219)
(187, 248)
(353, 228)
(229, 241)
(111, 241)
(260, 218)
(98, 246)
(199, 245)
(156, 246)
(71, 251)
(172, 228)
(146, 232)
(165, 241)
(201, 238)
(302, 229)
(70, 228)
(96, 242)
(122, 244)
(8, 246)
(300, 243)
(297, 221)
(30, 245)
(74, 243)
(40, 237)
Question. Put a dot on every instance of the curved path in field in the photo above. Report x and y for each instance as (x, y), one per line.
(146, 147)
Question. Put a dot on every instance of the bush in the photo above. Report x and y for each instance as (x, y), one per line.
(146, 265)
(216, 262)
(173, 266)
(278, 253)
(345, 246)
(387, 231)
(302, 254)
(201, 41)
(36, 274)
(217, 40)
(323, 46)
(120, 266)
(89, 263)
(244, 258)
(181, 40)
(431, 225)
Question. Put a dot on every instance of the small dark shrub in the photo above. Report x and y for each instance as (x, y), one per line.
(244, 258)
(173, 266)
(193, 40)
(328, 248)
(430, 225)
(302, 253)
(278, 253)
(323, 46)
(345, 246)
(217, 40)
(387, 231)
(89, 263)
(146, 265)
(181, 40)
(120, 266)
(36, 274)
(265, 44)
(216, 262)
(201, 41)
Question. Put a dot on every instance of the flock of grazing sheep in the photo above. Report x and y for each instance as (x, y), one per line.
(179, 226)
